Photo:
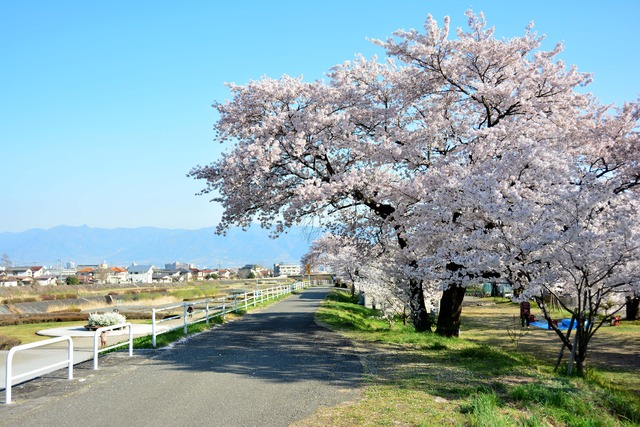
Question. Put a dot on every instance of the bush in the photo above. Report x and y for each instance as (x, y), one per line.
(7, 343)
(23, 319)
(72, 280)
(106, 319)
(19, 300)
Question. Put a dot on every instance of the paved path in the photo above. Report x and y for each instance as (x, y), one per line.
(269, 368)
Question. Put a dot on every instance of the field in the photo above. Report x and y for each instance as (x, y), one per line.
(614, 351)
(482, 378)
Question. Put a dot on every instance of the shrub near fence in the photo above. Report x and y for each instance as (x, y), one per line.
(6, 343)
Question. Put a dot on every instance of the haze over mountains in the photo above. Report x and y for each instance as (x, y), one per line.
(150, 245)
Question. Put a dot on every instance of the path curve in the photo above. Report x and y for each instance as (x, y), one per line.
(271, 367)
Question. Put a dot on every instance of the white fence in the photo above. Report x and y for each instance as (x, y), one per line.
(9, 378)
(206, 309)
(201, 310)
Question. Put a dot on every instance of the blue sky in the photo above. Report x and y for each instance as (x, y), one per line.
(107, 105)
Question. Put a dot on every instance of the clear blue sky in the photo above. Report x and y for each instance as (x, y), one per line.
(107, 105)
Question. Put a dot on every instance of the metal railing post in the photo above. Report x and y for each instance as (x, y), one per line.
(153, 327)
(111, 328)
(9, 368)
(206, 310)
(130, 340)
(95, 348)
(184, 316)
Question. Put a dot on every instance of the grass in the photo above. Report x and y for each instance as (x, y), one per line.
(27, 333)
(424, 380)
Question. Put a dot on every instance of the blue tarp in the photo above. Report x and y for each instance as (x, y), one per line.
(563, 324)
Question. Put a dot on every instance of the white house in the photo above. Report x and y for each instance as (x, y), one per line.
(286, 270)
(46, 280)
(117, 275)
(8, 280)
(19, 271)
(161, 278)
(140, 273)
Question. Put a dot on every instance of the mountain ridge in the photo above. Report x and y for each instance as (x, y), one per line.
(153, 245)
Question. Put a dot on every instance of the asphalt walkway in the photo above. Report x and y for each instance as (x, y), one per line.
(270, 368)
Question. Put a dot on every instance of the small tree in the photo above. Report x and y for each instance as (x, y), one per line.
(72, 280)
(6, 261)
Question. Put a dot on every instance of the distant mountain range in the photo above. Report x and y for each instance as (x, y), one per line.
(157, 246)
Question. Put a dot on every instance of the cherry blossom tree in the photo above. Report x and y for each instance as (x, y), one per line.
(339, 254)
(369, 267)
(452, 151)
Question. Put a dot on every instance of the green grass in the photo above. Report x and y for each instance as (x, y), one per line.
(423, 379)
(170, 337)
(26, 333)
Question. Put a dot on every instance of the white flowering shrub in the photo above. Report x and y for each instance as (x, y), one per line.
(106, 319)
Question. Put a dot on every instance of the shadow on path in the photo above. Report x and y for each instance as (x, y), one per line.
(271, 367)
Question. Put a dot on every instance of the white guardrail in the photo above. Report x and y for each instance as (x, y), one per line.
(9, 378)
(203, 310)
(192, 312)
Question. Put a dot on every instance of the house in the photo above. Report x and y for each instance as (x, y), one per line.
(286, 270)
(140, 274)
(184, 275)
(208, 273)
(250, 270)
(86, 274)
(46, 280)
(62, 273)
(197, 274)
(117, 275)
(37, 271)
(8, 280)
(265, 272)
(19, 271)
(224, 273)
(161, 278)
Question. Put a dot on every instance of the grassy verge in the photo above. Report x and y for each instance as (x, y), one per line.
(425, 380)
(26, 333)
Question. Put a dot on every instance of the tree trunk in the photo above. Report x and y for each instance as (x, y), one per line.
(419, 315)
(633, 307)
(450, 310)
(581, 356)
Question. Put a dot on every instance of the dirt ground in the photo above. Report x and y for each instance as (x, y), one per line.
(614, 350)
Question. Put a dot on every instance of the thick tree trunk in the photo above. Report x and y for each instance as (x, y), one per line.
(450, 310)
(633, 307)
(419, 315)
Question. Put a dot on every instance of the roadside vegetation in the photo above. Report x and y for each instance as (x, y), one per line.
(424, 379)
(71, 306)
